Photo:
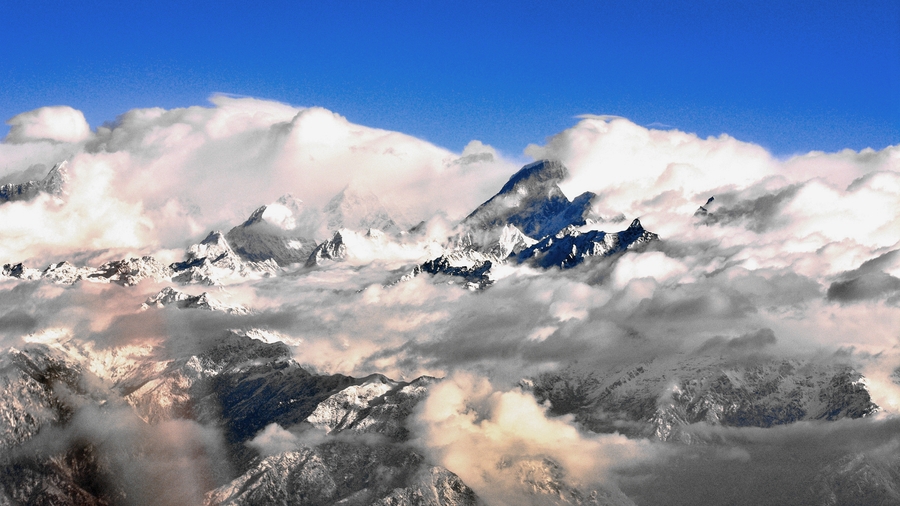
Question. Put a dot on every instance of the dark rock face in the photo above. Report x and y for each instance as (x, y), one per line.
(532, 201)
(41, 390)
(249, 399)
(569, 247)
(476, 276)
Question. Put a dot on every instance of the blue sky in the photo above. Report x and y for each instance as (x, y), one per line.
(791, 76)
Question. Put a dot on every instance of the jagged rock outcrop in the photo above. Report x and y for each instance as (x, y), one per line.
(570, 247)
(213, 261)
(474, 274)
(52, 184)
(332, 249)
(169, 296)
(703, 210)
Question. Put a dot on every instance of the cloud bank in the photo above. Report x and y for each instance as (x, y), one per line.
(793, 259)
(158, 178)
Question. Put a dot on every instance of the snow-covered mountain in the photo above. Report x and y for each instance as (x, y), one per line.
(273, 232)
(274, 430)
(124, 272)
(52, 184)
(660, 398)
(532, 201)
(569, 247)
(530, 220)
(243, 386)
(169, 296)
(358, 209)
(213, 261)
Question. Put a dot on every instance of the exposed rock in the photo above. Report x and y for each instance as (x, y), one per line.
(333, 249)
(343, 472)
(570, 247)
(532, 201)
(52, 184)
(660, 398)
(168, 296)
(271, 233)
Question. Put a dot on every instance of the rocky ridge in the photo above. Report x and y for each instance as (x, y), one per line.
(529, 221)
(52, 184)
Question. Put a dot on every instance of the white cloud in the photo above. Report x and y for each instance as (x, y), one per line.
(182, 172)
(274, 439)
(496, 441)
(58, 123)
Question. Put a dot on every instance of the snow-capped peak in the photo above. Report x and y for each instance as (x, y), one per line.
(53, 183)
(533, 202)
(358, 209)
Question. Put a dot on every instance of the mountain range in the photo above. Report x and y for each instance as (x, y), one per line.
(286, 434)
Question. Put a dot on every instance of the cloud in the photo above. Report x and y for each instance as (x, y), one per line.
(170, 463)
(160, 178)
(17, 321)
(503, 444)
(869, 281)
(801, 463)
(476, 151)
(863, 287)
(805, 249)
(759, 213)
(750, 342)
(59, 124)
(274, 439)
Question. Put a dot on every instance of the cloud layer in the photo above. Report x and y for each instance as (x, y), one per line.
(794, 258)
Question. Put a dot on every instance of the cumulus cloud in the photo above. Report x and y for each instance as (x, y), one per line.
(504, 446)
(59, 124)
(750, 342)
(778, 211)
(163, 177)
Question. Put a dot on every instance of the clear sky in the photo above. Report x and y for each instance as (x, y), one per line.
(792, 76)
